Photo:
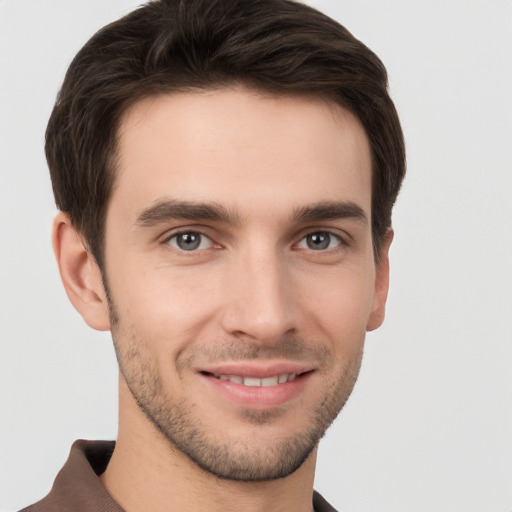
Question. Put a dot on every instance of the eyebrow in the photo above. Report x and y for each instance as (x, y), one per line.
(166, 210)
(332, 210)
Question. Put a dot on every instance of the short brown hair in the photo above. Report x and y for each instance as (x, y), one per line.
(277, 46)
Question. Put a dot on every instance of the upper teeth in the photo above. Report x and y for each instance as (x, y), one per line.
(254, 381)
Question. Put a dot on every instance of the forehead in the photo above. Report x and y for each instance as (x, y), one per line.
(239, 148)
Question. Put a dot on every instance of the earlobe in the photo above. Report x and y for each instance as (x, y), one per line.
(381, 285)
(80, 274)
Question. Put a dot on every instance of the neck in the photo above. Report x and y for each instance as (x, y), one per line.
(146, 472)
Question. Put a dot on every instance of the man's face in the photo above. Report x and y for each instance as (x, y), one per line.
(241, 274)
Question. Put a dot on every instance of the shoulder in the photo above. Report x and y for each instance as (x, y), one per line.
(45, 505)
(320, 504)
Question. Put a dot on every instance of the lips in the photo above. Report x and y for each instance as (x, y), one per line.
(257, 386)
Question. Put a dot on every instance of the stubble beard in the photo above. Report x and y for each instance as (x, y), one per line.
(231, 459)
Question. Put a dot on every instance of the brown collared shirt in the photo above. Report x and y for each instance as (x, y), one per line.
(78, 488)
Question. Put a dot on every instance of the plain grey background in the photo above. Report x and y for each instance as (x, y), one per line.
(429, 426)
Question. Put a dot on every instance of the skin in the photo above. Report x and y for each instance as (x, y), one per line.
(274, 284)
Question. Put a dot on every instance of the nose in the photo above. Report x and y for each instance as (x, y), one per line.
(259, 297)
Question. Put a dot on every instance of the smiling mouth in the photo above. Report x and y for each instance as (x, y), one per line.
(271, 381)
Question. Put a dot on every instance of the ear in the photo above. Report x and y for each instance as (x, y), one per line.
(381, 285)
(80, 274)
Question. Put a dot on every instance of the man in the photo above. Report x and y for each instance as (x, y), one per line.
(225, 172)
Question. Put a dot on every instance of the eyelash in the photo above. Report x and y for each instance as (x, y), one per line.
(341, 241)
(187, 232)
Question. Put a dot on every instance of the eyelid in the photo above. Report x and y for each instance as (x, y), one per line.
(182, 229)
(337, 238)
(345, 239)
(169, 235)
(203, 240)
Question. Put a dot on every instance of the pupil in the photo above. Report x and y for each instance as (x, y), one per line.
(188, 241)
(319, 241)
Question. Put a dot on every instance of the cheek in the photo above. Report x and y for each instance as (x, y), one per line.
(165, 303)
(342, 306)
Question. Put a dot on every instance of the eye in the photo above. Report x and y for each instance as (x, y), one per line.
(189, 241)
(320, 241)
